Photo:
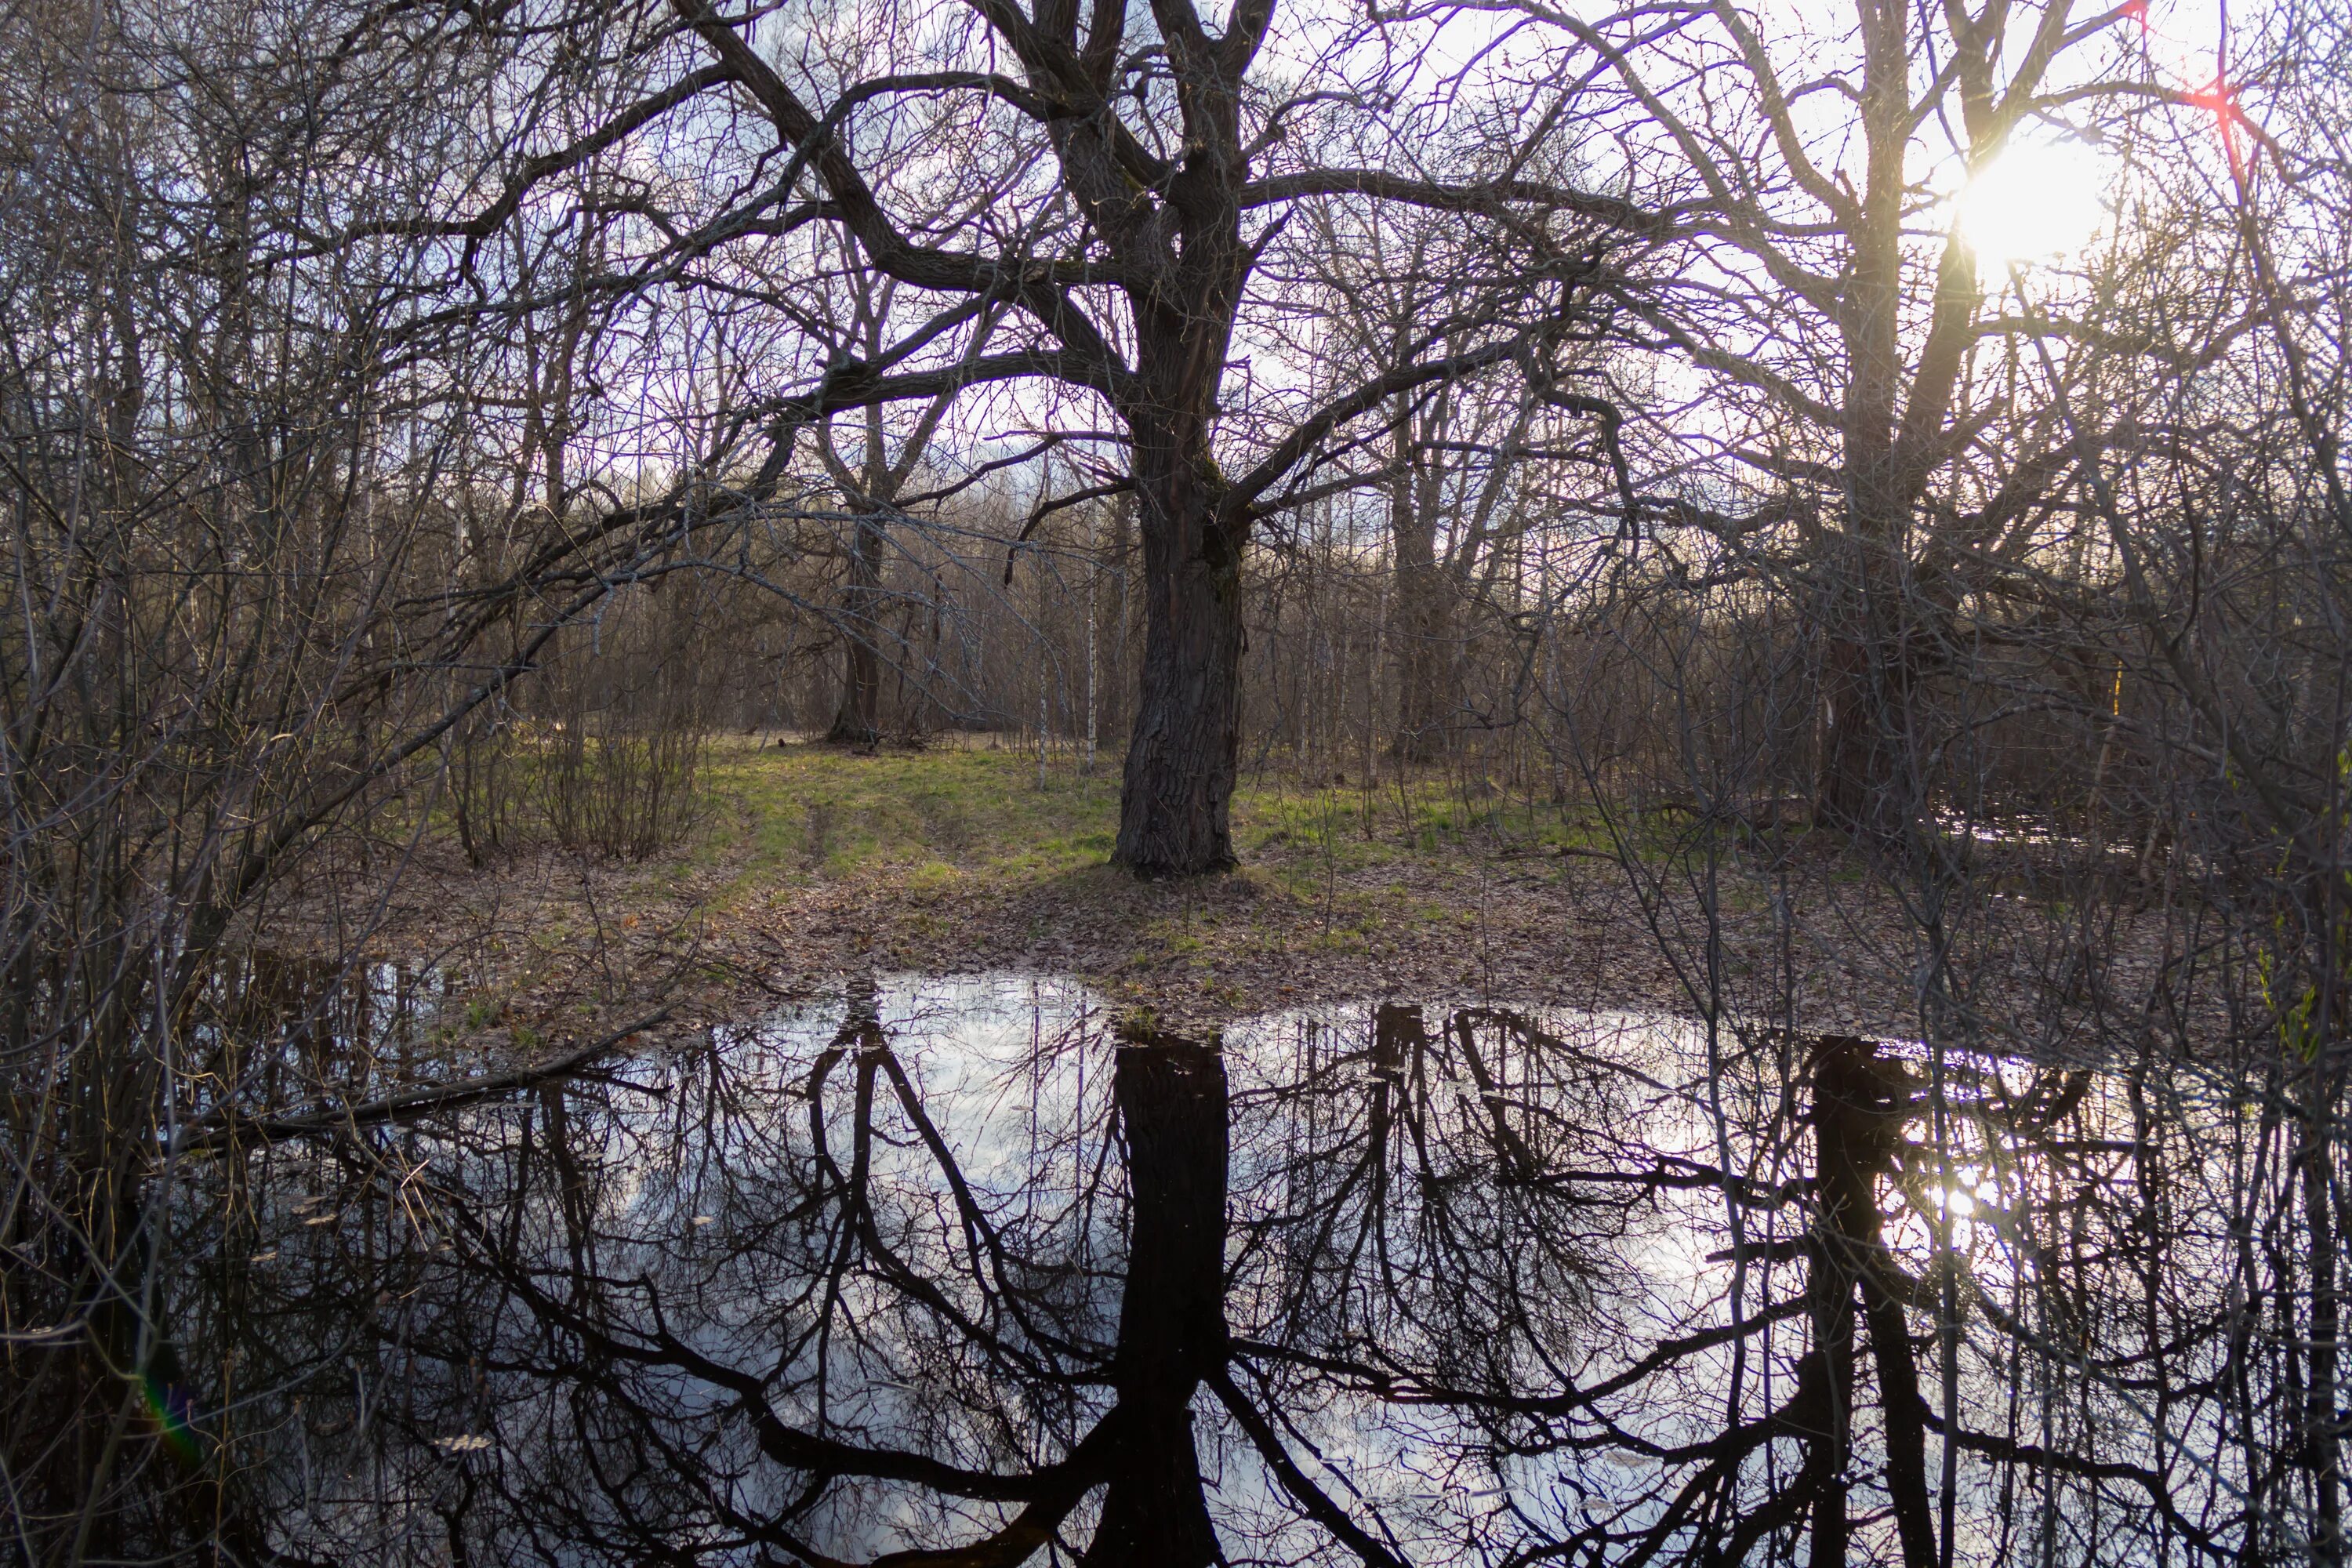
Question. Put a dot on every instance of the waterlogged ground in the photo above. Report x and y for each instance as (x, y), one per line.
(994, 1269)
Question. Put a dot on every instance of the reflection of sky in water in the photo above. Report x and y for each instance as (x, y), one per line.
(1463, 1200)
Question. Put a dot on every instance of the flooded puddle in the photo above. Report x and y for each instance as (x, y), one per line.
(976, 1271)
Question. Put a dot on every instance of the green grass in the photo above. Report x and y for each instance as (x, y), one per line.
(1347, 831)
(800, 814)
(807, 814)
(770, 821)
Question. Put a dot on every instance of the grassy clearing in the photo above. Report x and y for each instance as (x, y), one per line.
(798, 816)
(795, 816)
(805, 859)
(1354, 829)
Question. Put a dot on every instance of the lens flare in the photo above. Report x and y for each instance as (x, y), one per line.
(173, 1413)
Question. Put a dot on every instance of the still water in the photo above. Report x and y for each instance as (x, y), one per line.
(974, 1272)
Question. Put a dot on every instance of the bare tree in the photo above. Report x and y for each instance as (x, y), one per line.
(872, 488)
(1862, 382)
(1146, 168)
(263, 422)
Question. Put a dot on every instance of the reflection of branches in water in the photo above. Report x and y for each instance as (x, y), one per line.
(1405, 1290)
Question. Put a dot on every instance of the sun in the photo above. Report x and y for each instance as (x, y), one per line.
(2036, 202)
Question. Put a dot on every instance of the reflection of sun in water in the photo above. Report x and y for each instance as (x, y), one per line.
(2038, 201)
(1972, 1206)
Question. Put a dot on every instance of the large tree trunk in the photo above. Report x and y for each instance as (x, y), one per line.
(858, 721)
(1850, 775)
(1840, 1078)
(1185, 749)
(1868, 783)
(1424, 645)
(1863, 676)
(1171, 1329)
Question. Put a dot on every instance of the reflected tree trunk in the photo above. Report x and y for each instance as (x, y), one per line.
(1860, 1100)
(1172, 1330)
(2322, 1423)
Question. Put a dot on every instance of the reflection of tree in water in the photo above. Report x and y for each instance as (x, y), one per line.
(1385, 1289)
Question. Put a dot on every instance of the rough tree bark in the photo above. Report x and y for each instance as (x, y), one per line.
(1423, 627)
(1865, 782)
(1181, 759)
(858, 721)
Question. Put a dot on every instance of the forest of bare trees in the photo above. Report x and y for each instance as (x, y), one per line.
(1871, 474)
